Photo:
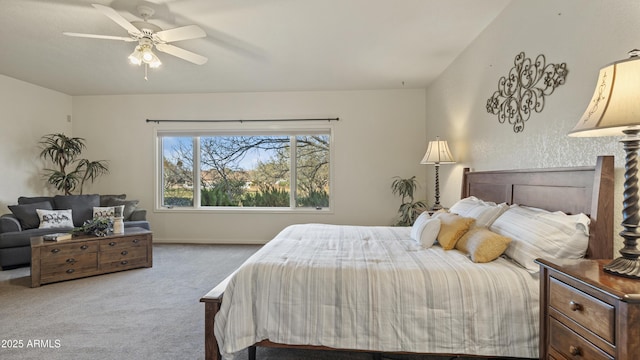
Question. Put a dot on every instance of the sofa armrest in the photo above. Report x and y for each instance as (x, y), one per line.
(138, 215)
(9, 223)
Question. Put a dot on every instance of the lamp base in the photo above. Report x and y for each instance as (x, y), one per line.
(436, 207)
(624, 267)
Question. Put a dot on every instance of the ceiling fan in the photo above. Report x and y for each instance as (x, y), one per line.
(149, 36)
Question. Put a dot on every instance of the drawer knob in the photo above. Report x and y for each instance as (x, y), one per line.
(71, 261)
(84, 247)
(574, 306)
(55, 251)
(113, 243)
(125, 252)
(574, 350)
(135, 241)
(70, 271)
(124, 262)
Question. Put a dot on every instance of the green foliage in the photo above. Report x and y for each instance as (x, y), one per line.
(178, 201)
(97, 227)
(314, 199)
(215, 197)
(409, 209)
(71, 173)
(267, 196)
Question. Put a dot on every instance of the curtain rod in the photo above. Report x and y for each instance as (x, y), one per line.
(157, 121)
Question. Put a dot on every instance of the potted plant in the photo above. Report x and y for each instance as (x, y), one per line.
(70, 173)
(99, 227)
(409, 210)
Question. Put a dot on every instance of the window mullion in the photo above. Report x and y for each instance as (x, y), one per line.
(196, 172)
(293, 181)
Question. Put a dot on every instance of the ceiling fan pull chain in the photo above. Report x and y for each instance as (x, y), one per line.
(146, 66)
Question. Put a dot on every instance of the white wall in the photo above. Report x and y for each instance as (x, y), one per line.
(28, 112)
(586, 35)
(380, 135)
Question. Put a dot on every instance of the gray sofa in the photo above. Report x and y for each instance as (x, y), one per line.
(17, 228)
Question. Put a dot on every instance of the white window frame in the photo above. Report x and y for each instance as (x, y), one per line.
(196, 133)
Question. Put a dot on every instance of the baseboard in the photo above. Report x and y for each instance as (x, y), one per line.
(210, 241)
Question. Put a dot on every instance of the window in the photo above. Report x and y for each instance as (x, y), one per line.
(281, 170)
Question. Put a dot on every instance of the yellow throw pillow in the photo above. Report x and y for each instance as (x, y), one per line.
(483, 245)
(452, 227)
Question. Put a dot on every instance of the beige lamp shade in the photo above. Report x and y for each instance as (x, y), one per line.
(615, 105)
(438, 153)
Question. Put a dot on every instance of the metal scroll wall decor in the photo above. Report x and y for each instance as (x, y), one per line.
(524, 89)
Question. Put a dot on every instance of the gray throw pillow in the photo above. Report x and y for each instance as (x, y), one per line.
(27, 214)
(23, 200)
(104, 199)
(82, 206)
(129, 206)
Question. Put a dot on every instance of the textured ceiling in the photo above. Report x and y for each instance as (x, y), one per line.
(252, 45)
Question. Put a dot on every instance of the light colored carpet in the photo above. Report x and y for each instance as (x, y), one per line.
(150, 313)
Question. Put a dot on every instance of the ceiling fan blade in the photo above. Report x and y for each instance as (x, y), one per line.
(181, 33)
(119, 19)
(182, 53)
(105, 37)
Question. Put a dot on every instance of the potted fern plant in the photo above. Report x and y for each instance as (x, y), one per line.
(409, 209)
(70, 172)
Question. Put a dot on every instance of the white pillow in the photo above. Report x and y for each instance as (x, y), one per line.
(485, 212)
(538, 233)
(108, 212)
(425, 230)
(51, 219)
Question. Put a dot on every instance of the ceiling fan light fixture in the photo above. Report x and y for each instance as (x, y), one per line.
(136, 56)
(148, 57)
(147, 54)
(155, 63)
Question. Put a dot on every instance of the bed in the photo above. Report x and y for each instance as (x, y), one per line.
(387, 307)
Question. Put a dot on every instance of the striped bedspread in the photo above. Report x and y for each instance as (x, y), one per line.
(373, 288)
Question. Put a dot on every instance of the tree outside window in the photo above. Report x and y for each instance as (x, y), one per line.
(246, 170)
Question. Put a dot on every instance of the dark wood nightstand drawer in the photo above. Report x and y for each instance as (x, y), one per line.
(572, 345)
(584, 309)
(605, 322)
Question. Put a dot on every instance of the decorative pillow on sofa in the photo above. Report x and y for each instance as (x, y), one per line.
(425, 230)
(482, 244)
(537, 233)
(27, 214)
(129, 206)
(82, 206)
(452, 227)
(51, 219)
(109, 212)
(23, 200)
(485, 212)
(105, 199)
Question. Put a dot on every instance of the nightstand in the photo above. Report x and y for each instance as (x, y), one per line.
(586, 313)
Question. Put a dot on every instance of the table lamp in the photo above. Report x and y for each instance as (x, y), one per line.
(615, 110)
(437, 153)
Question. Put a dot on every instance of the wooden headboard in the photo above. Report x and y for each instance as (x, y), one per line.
(587, 190)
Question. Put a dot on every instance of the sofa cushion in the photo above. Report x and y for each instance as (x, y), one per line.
(27, 215)
(23, 238)
(129, 206)
(23, 200)
(105, 199)
(81, 206)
